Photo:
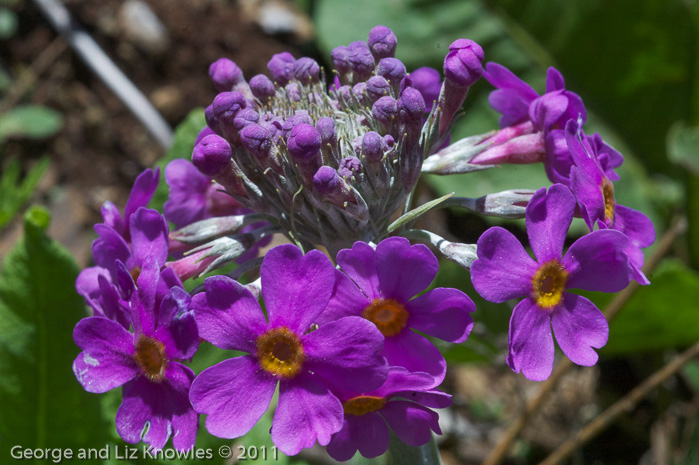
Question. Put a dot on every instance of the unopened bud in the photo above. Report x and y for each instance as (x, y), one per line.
(382, 42)
(225, 74)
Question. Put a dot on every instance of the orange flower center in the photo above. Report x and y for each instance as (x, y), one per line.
(150, 356)
(609, 203)
(549, 284)
(280, 352)
(388, 315)
(362, 405)
(135, 273)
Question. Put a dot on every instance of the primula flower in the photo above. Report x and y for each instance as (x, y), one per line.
(401, 402)
(146, 363)
(504, 271)
(284, 350)
(380, 284)
(594, 193)
(527, 120)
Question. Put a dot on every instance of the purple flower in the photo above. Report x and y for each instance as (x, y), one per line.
(594, 193)
(285, 350)
(380, 284)
(141, 193)
(194, 196)
(401, 403)
(428, 81)
(504, 271)
(146, 363)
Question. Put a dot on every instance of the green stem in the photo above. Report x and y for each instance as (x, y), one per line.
(401, 454)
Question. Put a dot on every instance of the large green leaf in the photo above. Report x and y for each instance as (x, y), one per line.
(42, 405)
(658, 316)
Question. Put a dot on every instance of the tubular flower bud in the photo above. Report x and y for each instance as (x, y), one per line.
(382, 42)
(281, 67)
(262, 87)
(225, 74)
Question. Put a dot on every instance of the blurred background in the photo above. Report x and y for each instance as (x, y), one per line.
(68, 143)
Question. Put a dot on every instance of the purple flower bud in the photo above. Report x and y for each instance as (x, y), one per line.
(392, 69)
(377, 87)
(361, 60)
(326, 180)
(256, 139)
(326, 129)
(245, 117)
(301, 117)
(225, 74)
(388, 143)
(306, 70)
(411, 105)
(351, 164)
(304, 142)
(281, 67)
(212, 155)
(293, 92)
(372, 146)
(359, 92)
(428, 81)
(262, 87)
(462, 65)
(345, 93)
(382, 42)
(206, 131)
(385, 110)
(211, 120)
(340, 58)
(227, 104)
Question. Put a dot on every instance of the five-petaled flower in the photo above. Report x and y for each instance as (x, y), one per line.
(285, 350)
(504, 270)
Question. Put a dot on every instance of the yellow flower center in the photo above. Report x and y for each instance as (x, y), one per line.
(549, 284)
(362, 405)
(150, 356)
(280, 352)
(388, 315)
(609, 203)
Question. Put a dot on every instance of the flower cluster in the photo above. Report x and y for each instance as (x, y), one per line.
(332, 165)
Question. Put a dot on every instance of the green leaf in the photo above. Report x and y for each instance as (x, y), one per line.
(415, 213)
(14, 194)
(683, 146)
(42, 405)
(182, 146)
(30, 121)
(658, 316)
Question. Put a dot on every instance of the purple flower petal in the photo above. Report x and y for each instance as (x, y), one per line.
(359, 263)
(415, 353)
(109, 247)
(228, 315)
(142, 191)
(87, 285)
(637, 227)
(347, 353)
(597, 262)
(589, 195)
(342, 447)
(234, 394)
(107, 358)
(306, 412)
(158, 404)
(531, 341)
(433, 399)
(187, 200)
(411, 422)
(149, 237)
(549, 215)
(503, 270)
(180, 338)
(346, 300)
(399, 379)
(370, 435)
(442, 313)
(404, 270)
(295, 288)
(112, 217)
(554, 80)
(580, 328)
